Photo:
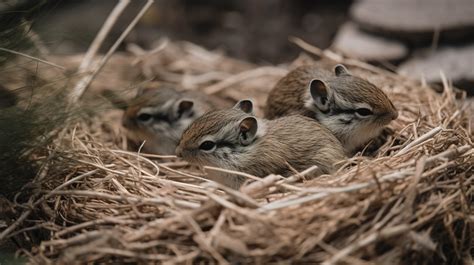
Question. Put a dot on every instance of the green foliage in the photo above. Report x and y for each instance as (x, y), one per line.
(14, 26)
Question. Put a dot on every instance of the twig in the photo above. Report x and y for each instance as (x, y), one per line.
(33, 58)
(412, 191)
(239, 196)
(383, 234)
(104, 31)
(257, 186)
(243, 76)
(322, 193)
(287, 186)
(229, 205)
(298, 176)
(106, 220)
(216, 228)
(200, 238)
(25, 214)
(337, 58)
(419, 140)
(142, 54)
(89, 235)
(448, 154)
(122, 198)
(185, 174)
(271, 180)
(249, 176)
(82, 85)
(5, 233)
(130, 254)
(308, 47)
(143, 154)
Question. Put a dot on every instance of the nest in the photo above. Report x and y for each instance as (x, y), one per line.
(409, 203)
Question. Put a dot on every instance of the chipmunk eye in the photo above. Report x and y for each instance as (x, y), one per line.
(207, 145)
(144, 117)
(364, 112)
(324, 100)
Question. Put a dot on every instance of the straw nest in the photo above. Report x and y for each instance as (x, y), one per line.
(410, 202)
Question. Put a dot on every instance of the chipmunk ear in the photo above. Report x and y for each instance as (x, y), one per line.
(185, 106)
(245, 105)
(320, 94)
(148, 88)
(341, 70)
(144, 90)
(247, 130)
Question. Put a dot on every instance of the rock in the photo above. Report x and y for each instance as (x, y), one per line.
(355, 43)
(416, 20)
(457, 63)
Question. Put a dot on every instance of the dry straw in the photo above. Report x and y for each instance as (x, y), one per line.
(410, 203)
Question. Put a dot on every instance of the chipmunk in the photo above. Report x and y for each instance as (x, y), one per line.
(159, 115)
(235, 139)
(353, 109)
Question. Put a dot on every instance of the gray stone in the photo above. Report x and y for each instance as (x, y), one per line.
(355, 43)
(416, 20)
(457, 63)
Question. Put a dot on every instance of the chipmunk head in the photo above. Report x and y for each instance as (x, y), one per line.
(159, 116)
(354, 109)
(219, 138)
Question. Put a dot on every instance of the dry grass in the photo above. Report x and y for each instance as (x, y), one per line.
(411, 203)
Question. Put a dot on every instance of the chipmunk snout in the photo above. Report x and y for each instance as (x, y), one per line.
(394, 115)
(178, 152)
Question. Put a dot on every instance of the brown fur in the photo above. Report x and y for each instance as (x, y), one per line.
(297, 140)
(159, 95)
(156, 95)
(289, 94)
(292, 94)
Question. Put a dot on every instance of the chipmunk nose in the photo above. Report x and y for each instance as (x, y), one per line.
(394, 115)
(178, 152)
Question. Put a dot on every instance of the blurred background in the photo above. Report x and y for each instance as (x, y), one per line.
(418, 38)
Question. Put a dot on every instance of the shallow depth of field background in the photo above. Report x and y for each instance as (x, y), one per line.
(416, 38)
(423, 40)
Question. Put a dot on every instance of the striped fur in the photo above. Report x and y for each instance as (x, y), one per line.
(346, 93)
(162, 133)
(295, 140)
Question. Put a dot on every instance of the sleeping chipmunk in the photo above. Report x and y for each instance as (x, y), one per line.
(235, 139)
(159, 114)
(353, 109)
